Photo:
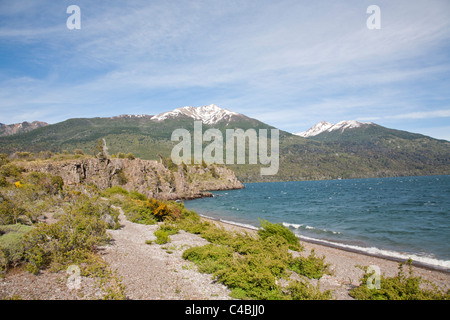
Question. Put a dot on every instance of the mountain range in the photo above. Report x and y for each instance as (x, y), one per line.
(325, 126)
(348, 149)
(10, 129)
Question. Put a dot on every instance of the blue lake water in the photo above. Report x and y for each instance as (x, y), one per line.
(399, 217)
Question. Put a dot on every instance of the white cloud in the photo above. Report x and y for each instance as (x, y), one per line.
(445, 113)
(273, 61)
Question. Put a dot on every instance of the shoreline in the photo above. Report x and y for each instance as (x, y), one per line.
(338, 247)
(153, 272)
(344, 261)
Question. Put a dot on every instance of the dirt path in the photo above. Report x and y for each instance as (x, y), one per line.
(158, 271)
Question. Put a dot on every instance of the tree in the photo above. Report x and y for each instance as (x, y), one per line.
(101, 150)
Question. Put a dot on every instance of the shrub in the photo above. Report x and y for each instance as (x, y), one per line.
(10, 212)
(251, 279)
(302, 290)
(49, 183)
(192, 224)
(139, 209)
(121, 177)
(137, 196)
(268, 229)
(217, 235)
(162, 236)
(311, 266)
(97, 209)
(159, 209)
(78, 152)
(11, 247)
(138, 213)
(114, 190)
(80, 229)
(11, 170)
(399, 287)
(169, 228)
(210, 258)
(251, 265)
(3, 182)
(4, 159)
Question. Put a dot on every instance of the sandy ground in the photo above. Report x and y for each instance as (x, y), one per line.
(152, 271)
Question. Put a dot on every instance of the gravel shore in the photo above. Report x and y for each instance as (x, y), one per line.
(152, 271)
(159, 272)
(155, 271)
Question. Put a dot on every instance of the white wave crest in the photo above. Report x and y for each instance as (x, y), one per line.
(300, 226)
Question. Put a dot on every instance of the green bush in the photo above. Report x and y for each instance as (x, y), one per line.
(302, 290)
(11, 246)
(4, 159)
(121, 177)
(138, 213)
(139, 209)
(162, 236)
(210, 258)
(193, 224)
(251, 265)
(49, 183)
(6, 210)
(11, 212)
(137, 196)
(268, 229)
(113, 191)
(4, 182)
(80, 229)
(168, 227)
(311, 266)
(250, 278)
(11, 170)
(399, 287)
(78, 152)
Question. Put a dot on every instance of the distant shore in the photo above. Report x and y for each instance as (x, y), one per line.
(345, 261)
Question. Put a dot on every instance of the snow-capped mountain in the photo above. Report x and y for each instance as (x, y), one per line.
(325, 126)
(209, 115)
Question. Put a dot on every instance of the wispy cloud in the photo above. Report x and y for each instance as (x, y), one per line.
(289, 63)
(415, 115)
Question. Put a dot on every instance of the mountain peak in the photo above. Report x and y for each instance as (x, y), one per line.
(10, 129)
(210, 114)
(325, 126)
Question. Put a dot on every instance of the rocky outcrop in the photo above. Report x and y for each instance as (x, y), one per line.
(148, 177)
(10, 129)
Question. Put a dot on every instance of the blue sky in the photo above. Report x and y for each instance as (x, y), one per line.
(288, 63)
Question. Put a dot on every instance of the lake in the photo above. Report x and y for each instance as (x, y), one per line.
(399, 217)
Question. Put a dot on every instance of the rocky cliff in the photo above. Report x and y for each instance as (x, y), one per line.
(148, 177)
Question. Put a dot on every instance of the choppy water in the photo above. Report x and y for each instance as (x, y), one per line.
(399, 217)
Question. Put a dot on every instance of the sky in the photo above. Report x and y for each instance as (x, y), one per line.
(288, 63)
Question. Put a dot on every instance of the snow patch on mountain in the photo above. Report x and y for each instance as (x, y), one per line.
(325, 126)
(210, 114)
